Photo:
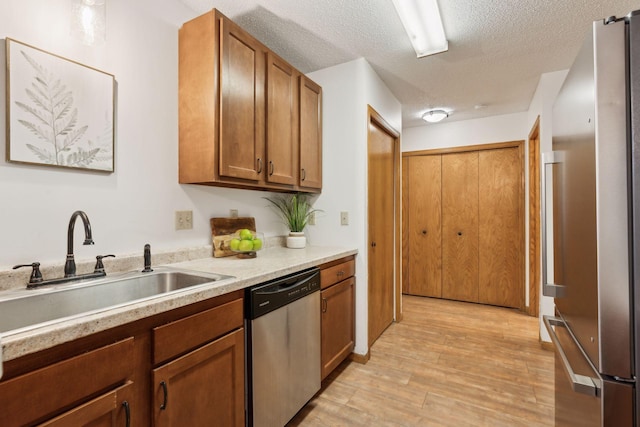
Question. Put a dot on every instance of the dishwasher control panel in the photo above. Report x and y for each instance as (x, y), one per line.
(269, 296)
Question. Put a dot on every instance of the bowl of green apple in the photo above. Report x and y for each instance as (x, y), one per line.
(246, 243)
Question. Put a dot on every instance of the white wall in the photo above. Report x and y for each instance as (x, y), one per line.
(508, 127)
(135, 204)
(542, 105)
(347, 90)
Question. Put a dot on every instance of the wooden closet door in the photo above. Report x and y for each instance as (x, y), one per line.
(460, 226)
(423, 186)
(500, 228)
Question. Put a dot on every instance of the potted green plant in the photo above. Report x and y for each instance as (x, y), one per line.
(295, 211)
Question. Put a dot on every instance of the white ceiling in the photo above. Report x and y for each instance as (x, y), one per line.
(497, 48)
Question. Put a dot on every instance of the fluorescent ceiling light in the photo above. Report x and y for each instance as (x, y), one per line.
(434, 116)
(422, 22)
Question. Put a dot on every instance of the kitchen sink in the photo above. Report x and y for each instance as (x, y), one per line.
(33, 308)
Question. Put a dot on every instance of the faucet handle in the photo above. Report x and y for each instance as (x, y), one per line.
(99, 268)
(36, 275)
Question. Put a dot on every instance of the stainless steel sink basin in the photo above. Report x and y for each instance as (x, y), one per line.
(34, 307)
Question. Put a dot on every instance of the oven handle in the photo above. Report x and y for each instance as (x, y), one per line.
(579, 383)
(548, 289)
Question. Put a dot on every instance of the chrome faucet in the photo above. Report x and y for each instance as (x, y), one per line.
(70, 264)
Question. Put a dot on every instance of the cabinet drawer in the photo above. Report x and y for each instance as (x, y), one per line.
(176, 338)
(336, 273)
(44, 392)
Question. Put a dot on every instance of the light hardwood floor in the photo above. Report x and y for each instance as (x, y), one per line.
(447, 363)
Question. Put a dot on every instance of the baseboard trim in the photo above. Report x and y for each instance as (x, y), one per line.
(360, 358)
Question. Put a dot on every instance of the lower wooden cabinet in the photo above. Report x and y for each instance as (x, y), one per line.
(115, 377)
(337, 311)
(204, 387)
(337, 324)
(39, 396)
(112, 409)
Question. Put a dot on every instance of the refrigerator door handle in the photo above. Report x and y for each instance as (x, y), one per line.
(548, 289)
(579, 383)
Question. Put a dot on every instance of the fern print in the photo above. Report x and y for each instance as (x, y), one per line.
(63, 110)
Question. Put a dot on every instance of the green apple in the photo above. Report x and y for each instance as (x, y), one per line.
(246, 234)
(245, 246)
(234, 243)
(257, 244)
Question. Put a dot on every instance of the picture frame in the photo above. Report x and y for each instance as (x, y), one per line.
(60, 112)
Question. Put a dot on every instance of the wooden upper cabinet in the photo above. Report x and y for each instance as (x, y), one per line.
(310, 134)
(242, 73)
(244, 118)
(282, 122)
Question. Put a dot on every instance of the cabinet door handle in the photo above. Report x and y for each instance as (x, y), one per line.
(459, 233)
(324, 305)
(270, 167)
(424, 232)
(304, 174)
(259, 165)
(166, 395)
(373, 244)
(127, 413)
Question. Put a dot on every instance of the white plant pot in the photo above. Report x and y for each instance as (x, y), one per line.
(296, 240)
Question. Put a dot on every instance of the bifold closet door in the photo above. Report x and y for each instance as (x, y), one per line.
(424, 192)
(500, 227)
(460, 226)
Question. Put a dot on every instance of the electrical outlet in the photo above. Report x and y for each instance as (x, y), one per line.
(312, 218)
(344, 218)
(184, 220)
(233, 213)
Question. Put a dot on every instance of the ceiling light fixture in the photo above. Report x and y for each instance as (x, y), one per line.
(423, 24)
(434, 116)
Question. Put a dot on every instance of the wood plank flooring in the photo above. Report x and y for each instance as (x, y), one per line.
(447, 363)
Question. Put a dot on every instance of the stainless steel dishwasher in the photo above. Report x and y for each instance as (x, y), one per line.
(283, 347)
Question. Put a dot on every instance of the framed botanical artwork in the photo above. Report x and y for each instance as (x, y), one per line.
(59, 112)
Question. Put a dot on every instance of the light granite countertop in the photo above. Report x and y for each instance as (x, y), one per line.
(270, 263)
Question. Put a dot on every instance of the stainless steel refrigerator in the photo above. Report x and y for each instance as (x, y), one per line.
(591, 223)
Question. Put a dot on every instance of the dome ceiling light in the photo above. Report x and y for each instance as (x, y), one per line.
(434, 116)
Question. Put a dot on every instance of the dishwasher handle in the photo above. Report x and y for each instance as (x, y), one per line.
(283, 287)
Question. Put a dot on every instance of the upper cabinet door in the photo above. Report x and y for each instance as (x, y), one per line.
(242, 71)
(282, 122)
(310, 134)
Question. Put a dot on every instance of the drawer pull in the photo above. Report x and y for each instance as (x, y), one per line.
(127, 413)
(166, 395)
(340, 273)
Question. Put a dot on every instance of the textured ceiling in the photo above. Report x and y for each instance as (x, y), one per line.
(497, 48)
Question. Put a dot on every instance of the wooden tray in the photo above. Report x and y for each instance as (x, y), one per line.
(223, 228)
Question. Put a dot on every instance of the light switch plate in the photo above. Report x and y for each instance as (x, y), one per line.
(233, 213)
(312, 218)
